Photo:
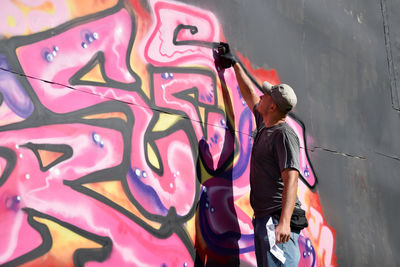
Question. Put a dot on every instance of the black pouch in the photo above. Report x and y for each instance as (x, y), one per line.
(298, 221)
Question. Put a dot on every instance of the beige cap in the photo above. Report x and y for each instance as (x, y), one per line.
(282, 94)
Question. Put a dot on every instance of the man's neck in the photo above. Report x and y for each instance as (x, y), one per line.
(270, 121)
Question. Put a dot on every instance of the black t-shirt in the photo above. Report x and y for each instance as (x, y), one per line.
(274, 149)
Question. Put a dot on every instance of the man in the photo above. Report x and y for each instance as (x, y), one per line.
(274, 166)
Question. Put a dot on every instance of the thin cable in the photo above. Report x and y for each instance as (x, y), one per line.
(170, 113)
(122, 101)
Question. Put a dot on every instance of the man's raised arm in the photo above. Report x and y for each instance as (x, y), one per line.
(245, 84)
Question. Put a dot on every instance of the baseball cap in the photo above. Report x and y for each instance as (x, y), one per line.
(282, 94)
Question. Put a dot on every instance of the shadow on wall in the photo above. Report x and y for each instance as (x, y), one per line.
(217, 233)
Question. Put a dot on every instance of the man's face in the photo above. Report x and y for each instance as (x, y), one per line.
(265, 104)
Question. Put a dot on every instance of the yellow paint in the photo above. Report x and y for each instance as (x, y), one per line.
(114, 191)
(47, 157)
(202, 112)
(204, 173)
(152, 156)
(21, 6)
(47, 7)
(80, 8)
(192, 95)
(244, 204)
(74, 9)
(118, 115)
(190, 226)
(165, 122)
(94, 75)
(65, 241)
(11, 21)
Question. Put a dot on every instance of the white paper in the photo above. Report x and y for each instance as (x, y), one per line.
(275, 250)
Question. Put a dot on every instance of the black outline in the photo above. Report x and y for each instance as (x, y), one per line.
(11, 158)
(151, 136)
(99, 59)
(60, 148)
(193, 30)
(80, 256)
(311, 187)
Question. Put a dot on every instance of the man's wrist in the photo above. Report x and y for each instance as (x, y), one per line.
(284, 219)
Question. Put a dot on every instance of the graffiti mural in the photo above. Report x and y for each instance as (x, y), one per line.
(119, 144)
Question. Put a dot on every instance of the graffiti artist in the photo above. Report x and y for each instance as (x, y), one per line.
(274, 168)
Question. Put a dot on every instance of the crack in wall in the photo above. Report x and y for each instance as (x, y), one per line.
(394, 157)
(336, 152)
(391, 65)
(388, 156)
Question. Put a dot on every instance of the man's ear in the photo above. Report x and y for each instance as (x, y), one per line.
(273, 107)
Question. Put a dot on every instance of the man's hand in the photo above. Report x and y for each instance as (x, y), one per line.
(226, 59)
(282, 232)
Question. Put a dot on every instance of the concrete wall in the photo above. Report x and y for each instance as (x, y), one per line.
(119, 145)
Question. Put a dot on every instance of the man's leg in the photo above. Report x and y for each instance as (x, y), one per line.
(261, 243)
(262, 248)
(291, 251)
